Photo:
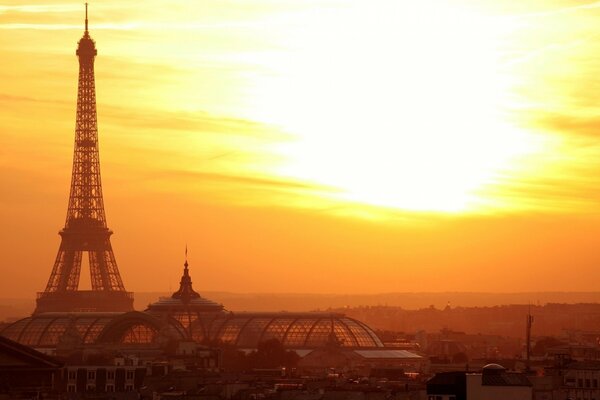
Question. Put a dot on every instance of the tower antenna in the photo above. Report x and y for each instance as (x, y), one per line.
(86, 18)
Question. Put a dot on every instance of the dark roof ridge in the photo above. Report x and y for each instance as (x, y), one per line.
(18, 349)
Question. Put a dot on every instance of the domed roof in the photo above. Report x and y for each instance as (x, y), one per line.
(185, 298)
(492, 369)
(293, 330)
(187, 314)
(204, 319)
(197, 304)
(46, 329)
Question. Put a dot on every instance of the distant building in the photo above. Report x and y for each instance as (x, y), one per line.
(184, 317)
(100, 379)
(447, 386)
(24, 372)
(582, 380)
(578, 352)
(493, 383)
(359, 361)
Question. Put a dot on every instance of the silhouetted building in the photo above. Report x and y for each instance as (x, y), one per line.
(492, 383)
(582, 380)
(359, 361)
(100, 379)
(24, 372)
(85, 228)
(448, 386)
(188, 316)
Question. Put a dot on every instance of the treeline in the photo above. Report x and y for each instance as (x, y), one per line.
(550, 319)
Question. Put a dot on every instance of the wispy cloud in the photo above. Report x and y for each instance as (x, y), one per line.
(139, 25)
(570, 125)
(247, 181)
(12, 98)
(64, 27)
(40, 8)
(199, 121)
(560, 11)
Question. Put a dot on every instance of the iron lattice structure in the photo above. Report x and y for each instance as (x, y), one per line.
(85, 227)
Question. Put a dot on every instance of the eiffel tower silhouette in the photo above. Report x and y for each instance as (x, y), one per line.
(85, 229)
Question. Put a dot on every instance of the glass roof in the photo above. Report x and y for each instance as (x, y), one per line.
(306, 330)
(243, 330)
(46, 330)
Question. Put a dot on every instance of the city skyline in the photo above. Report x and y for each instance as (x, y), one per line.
(258, 142)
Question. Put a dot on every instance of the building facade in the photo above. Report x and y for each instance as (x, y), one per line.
(492, 383)
(582, 380)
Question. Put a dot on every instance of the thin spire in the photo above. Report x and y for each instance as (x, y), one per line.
(186, 263)
(185, 292)
(86, 18)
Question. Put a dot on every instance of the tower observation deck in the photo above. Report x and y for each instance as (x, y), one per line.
(85, 228)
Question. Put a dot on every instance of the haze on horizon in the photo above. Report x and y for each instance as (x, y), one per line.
(319, 146)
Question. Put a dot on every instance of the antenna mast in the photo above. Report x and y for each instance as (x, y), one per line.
(528, 339)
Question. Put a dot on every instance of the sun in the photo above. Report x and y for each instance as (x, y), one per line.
(398, 104)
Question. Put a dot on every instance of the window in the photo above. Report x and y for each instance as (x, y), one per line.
(130, 374)
(587, 383)
(579, 382)
(110, 375)
(71, 388)
(128, 388)
(90, 388)
(595, 383)
(72, 375)
(91, 375)
(110, 388)
(139, 334)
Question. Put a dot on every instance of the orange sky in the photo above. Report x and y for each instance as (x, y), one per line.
(312, 146)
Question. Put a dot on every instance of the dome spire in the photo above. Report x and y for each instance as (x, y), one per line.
(185, 264)
(185, 292)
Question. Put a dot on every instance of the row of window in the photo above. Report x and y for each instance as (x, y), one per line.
(584, 383)
(110, 375)
(109, 388)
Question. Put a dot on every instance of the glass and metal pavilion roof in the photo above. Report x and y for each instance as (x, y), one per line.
(187, 315)
(293, 330)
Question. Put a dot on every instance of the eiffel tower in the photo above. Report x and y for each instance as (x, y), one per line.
(85, 228)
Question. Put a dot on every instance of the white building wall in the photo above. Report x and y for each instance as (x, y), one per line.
(476, 391)
(583, 384)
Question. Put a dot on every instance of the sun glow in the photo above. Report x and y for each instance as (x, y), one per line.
(402, 107)
(449, 106)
